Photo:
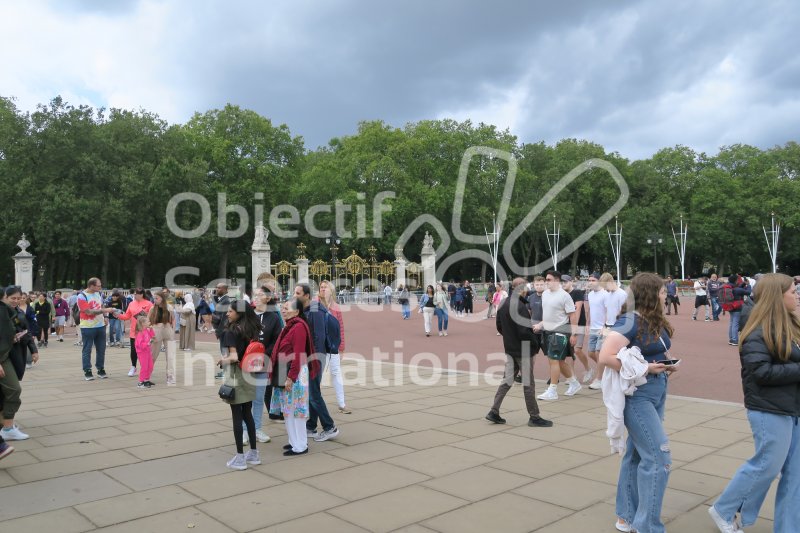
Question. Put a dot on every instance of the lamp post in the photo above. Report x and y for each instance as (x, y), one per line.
(655, 239)
(334, 241)
(773, 237)
(553, 246)
(40, 281)
(616, 245)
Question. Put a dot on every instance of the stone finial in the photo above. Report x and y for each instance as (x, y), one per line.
(24, 244)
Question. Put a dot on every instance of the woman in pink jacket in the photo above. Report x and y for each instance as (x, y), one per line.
(139, 305)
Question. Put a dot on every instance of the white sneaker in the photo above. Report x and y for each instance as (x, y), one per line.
(596, 385)
(132, 372)
(13, 433)
(587, 377)
(623, 526)
(445, 334)
(441, 334)
(573, 388)
(312, 434)
(252, 457)
(550, 394)
(721, 523)
(325, 435)
(261, 436)
(238, 462)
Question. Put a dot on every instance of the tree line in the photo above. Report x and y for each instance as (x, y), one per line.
(90, 189)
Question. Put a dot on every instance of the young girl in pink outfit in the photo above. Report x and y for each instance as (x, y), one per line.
(144, 338)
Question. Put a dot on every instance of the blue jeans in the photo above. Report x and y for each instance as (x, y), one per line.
(96, 336)
(777, 440)
(316, 404)
(406, 311)
(733, 328)
(258, 404)
(715, 307)
(114, 330)
(441, 315)
(646, 464)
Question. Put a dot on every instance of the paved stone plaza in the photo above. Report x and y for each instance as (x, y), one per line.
(106, 456)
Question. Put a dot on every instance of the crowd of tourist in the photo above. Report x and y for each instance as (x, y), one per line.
(273, 355)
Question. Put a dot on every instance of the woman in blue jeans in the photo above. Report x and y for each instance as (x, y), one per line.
(769, 349)
(441, 301)
(646, 464)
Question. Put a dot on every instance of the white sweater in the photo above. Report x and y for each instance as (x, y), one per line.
(617, 385)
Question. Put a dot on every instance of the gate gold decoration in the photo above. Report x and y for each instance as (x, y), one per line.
(284, 272)
(319, 270)
(413, 275)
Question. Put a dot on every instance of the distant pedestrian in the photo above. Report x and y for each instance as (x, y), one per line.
(731, 298)
(62, 314)
(403, 300)
(427, 307)
(93, 328)
(187, 314)
(42, 308)
(672, 298)
(714, 285)
(441, 303)
(162, 320)
(469, 297)
(701, 297)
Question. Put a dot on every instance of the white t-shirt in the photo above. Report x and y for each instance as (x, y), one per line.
(699, 289)
(598, 303)
(616, 299)
(556, 307)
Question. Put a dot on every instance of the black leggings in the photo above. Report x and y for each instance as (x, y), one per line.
(44, 329)
(134, 358)
(243, 412)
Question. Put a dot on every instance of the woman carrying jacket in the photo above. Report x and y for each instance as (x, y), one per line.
(290, 372)
(769, 349)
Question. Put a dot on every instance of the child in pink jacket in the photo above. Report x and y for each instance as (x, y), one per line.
(144, 338)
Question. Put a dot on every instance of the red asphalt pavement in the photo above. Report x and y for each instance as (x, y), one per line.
(709, 368)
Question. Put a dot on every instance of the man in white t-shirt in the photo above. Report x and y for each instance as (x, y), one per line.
(560, 327)
(614, 300)
(597, 298)
(700, 297)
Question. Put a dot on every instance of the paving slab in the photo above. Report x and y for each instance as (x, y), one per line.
(410, 458)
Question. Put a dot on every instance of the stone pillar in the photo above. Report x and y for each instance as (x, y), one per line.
(302, 271)
(399, 268)
(23, 266)
(261, 254)
(428, 255)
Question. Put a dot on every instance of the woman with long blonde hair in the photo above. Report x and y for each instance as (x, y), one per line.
(645, 467)
(769, 349)
(162, 321)
(327, 295)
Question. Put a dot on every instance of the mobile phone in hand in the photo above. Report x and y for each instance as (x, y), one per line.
(669, 362)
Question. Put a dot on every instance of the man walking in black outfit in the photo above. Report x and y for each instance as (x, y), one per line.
(514, 324)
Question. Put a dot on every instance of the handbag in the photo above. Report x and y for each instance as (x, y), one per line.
(228, 392)
(254, 356)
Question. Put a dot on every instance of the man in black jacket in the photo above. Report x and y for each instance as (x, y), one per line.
(219, 319)
(514, 324)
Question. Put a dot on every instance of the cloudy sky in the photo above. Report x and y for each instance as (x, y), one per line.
(632, 75)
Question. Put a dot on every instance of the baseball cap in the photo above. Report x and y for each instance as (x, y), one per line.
(566, 277)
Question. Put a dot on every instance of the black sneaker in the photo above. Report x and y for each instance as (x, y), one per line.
(495, 418)
(289, 453)
(101, 373)
(87, 375)
(141, 384)
(148, 384)
(287, 446)
(540, 422)
(518, 378)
